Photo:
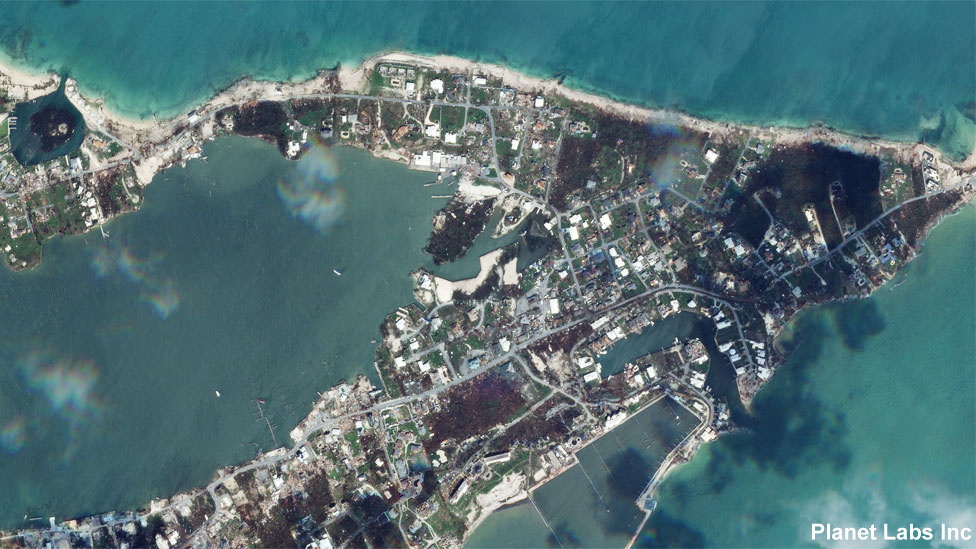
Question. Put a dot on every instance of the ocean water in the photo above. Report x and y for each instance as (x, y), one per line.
(112, 350)
(894, 69)
(870, 421)
(593, 503)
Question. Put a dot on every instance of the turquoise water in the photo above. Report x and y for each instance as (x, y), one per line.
(869, 421)
(868, 67)
(112, 349)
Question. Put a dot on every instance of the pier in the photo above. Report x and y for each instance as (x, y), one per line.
(262, 417)
(659, 431)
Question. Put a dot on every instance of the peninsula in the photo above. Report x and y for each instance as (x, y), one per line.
(491, 386)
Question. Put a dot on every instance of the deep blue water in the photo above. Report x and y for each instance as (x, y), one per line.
(877, 68)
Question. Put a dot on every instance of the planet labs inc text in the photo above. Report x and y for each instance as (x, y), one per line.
(828, 532)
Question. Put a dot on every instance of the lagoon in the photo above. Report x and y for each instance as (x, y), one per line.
(594, 503)
(35, 138)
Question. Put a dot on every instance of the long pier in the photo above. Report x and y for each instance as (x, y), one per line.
(665, 466)
(266, 421)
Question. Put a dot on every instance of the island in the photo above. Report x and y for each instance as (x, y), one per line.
(627, 219)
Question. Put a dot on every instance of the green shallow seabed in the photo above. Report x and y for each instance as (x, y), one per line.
(112, 349)
(106, 377)
(869, 421)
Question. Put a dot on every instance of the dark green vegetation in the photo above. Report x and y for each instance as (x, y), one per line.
(462, 223)
(793, 177)
(54, 126)
(598, 158)
(376, 524)
(264, 119)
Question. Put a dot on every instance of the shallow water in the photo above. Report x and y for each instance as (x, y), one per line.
(894, 69)
(870, 420)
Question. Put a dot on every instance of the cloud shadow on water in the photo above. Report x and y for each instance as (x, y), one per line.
(789, 428)
(857, 321)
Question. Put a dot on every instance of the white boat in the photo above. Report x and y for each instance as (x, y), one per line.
(218, 393)
(337, 273)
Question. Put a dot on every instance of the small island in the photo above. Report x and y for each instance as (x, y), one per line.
(490, 387)
(53, 126)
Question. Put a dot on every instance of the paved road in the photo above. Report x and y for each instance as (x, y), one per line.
(889, 211)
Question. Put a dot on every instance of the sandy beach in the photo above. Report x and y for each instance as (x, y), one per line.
(445, 288)
(157, 141)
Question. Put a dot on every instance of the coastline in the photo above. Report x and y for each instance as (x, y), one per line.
(164, 134)
(355, 79)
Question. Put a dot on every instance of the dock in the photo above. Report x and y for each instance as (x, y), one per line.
(262, 417)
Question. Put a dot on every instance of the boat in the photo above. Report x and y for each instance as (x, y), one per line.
(261, 400)
(337, 273)
(218, 393)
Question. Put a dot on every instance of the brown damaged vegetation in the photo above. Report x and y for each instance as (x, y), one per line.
(562, 341)
(473, 408)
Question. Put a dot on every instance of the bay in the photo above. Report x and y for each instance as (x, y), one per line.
(112, 349)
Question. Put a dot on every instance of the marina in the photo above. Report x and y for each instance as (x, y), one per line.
(609, 476)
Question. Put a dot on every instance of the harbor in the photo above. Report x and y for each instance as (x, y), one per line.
(612, 475)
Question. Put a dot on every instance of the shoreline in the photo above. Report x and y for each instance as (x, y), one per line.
(356, 78)
(247, 89)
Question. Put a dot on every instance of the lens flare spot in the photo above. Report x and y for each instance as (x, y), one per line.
(12, 436)
(113, 259)
(164, 300)
(681, 146)
(68, 386)
(311, 192)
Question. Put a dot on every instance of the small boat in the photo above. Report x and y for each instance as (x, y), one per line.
(218, 393)
(261, 400)
(337, 273)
